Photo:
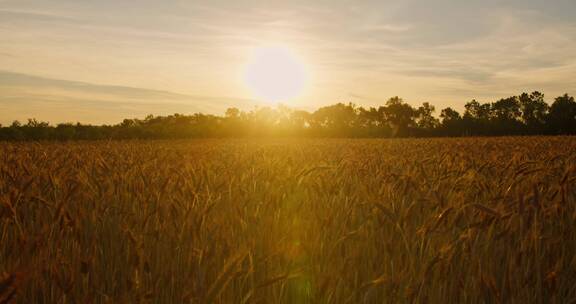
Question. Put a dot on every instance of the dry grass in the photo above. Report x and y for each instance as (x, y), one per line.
(289, 221)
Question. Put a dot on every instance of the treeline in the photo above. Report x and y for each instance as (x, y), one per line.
(526, 114)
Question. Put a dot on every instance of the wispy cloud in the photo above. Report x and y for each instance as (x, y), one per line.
(26, 96)
(443, 51)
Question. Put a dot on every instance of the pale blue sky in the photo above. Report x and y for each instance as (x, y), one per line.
(99, 61)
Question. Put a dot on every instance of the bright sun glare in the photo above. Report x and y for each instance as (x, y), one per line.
(275, 74)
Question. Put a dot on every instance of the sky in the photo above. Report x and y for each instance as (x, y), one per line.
(99, 61)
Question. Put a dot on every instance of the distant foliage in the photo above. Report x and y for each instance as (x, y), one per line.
(526, 114)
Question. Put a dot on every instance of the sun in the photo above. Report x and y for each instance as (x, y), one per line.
(275, 74)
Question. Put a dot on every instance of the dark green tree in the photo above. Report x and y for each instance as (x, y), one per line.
(476, 118)
(562, 116)
(505, 115)
(425, 119)
(534, 110)
(401, 116)
(451, 122)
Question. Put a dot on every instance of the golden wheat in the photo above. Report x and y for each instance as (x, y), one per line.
(489, 220)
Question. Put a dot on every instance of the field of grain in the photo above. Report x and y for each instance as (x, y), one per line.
(490, 220)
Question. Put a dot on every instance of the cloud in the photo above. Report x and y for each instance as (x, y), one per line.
(25, 96)
(444, 51)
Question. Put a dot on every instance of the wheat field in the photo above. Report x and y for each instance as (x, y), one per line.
(474, 220)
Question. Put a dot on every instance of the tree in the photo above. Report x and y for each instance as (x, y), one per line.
(37, 129)
(506, 109)
(523, 114)
(505, 114)
(562, 116)
(449, 115)
(451, 122)
(65, 131)
(232, 113)
(425, 120)
(400, 116)
(372, 122)
(476, 110)
(301, 122)
(234, 124)
(534, 110)
(476, 119)
(336, 120)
